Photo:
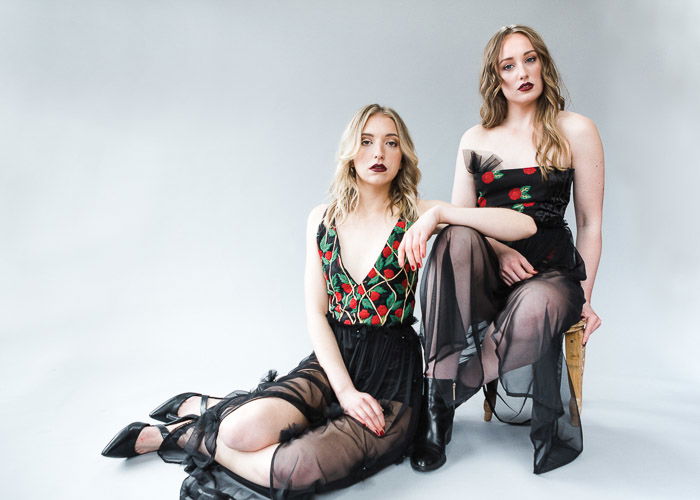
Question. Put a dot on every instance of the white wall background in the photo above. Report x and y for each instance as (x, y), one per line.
(158, 160)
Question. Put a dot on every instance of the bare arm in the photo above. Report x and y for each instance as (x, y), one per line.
(322, 337)
(501, 223)
(589, 179)
(359, 405)
(464, 195)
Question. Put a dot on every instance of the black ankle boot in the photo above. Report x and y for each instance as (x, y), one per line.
(434, 426)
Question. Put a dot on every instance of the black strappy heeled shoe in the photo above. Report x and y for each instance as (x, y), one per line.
(168, 411)
(123, 443)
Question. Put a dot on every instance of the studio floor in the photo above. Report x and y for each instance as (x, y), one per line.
(65, 402)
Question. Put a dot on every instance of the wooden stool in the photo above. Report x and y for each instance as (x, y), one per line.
(575, 359)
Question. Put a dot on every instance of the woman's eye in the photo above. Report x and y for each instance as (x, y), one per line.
(508, 67)
(531, 59)
(366, 142)
(393, 144)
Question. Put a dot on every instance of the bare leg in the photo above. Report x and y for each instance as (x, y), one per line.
(249, 436)
(251, 465)
(150, 439)
(252, 427)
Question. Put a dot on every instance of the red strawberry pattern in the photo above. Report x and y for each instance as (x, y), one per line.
(520, 193)
(489, 177)
(544, 198)
(501, 188)
(385, 296)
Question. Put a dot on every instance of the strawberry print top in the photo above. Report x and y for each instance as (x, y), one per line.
(521, 189)
(385, 296)
(544, 199)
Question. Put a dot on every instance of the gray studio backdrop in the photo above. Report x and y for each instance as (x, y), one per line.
(158, 160)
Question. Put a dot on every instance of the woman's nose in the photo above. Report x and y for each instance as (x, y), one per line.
(379, 152)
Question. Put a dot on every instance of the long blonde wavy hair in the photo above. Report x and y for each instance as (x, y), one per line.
(553, 150)
(403, 193)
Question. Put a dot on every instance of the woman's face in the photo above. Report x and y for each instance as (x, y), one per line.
(520, 70)
(379, 158)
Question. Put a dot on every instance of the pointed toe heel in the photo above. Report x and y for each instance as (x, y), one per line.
(122, 444)
(167, 411)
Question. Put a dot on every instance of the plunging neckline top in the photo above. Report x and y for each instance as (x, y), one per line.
(340, 254)
(386, 294)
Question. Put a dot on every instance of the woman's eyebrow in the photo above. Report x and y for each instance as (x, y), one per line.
(524, 53)
(387, 135)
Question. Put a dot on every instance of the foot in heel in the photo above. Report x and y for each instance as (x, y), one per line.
(182, 404)
(135, 439)
(434, 428)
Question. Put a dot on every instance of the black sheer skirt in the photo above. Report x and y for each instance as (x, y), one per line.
(468, 309)
(335, 450)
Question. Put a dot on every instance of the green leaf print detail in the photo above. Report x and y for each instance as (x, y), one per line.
(390, 301)
(497, 174)
(342, 278)
(519, 207)
(524, 192)
(367, 304)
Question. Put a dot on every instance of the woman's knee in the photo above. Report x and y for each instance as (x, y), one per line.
(458, 240)
(539, 303)
(243, 429)
(463, 235)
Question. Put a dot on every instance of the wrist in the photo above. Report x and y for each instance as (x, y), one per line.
(437, 214)
(344, 390)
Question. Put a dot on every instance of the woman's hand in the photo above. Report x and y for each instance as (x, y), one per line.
(592, 321)
(364, 408)
(514, 267)
(414, 242)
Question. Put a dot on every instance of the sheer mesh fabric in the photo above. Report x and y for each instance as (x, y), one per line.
(466, 306)
(334, 450)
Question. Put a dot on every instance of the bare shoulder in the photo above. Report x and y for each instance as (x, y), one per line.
(575, 125)
(586, 145)
(316, 213)
(473, 137)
